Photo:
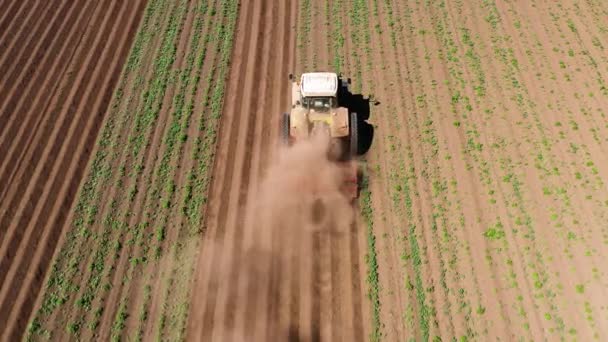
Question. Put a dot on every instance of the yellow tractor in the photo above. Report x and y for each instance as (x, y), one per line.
(315, 109)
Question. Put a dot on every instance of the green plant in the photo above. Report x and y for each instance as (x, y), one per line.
(495, 232)
(371, 259)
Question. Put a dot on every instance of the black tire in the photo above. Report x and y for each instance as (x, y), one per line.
(354, 135)
(285, 129)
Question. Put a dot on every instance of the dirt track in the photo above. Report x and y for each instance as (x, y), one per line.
(59, 64)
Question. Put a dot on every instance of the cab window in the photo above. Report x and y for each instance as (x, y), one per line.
(320, 104)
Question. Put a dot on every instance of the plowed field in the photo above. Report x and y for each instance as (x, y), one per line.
(59, 64)
(483, 210)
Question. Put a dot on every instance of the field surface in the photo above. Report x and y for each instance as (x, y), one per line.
(59, 64)
(483, 213)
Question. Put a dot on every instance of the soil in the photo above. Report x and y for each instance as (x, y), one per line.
(60, 64)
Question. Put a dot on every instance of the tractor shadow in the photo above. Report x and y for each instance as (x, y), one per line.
(359, 104)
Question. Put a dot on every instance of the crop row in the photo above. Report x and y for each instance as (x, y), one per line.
(361, 41)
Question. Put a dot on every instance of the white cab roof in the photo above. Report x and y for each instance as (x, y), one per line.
(315, 84)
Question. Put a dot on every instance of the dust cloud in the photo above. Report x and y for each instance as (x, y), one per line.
(298, 200)
(302, 189)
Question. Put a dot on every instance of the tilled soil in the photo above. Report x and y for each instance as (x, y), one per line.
(59, 65)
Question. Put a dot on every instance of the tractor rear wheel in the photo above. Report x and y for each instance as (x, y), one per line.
(285, 129)
(354, 135)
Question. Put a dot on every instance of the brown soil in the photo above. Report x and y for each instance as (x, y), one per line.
(60, 64)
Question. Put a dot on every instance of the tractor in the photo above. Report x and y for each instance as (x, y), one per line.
(315, 109)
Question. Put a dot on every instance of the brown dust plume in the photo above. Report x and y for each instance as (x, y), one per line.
(297, 203)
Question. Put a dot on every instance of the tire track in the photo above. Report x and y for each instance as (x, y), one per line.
(360, 320)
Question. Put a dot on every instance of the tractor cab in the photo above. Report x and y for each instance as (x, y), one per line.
(316, 91)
